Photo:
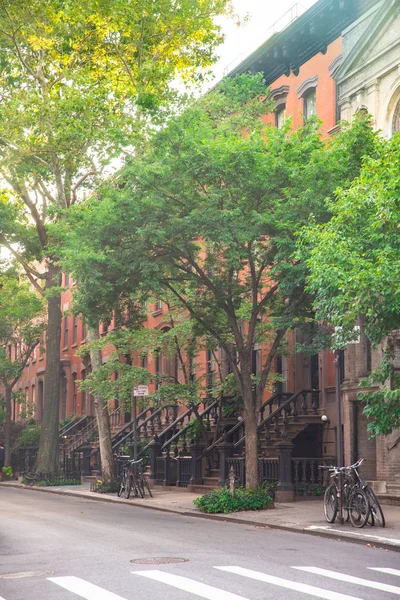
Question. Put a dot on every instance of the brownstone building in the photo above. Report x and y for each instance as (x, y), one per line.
(307, 67)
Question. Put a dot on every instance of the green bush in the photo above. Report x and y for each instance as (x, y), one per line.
(6, 473)
(29, 437)
(222, 501)
(104, 488)
(50, 482)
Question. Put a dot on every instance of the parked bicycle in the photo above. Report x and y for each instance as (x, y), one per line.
(133, 478)
(360, 503)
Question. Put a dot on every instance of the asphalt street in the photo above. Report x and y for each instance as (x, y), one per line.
(62, 548)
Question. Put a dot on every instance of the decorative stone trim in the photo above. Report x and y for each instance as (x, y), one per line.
(280, 94)
(308, 84)
(335, 64)
(334, 130)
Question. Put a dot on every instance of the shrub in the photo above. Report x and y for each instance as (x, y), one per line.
(104, 488)
(222, 501)
(49, 482)
(29, 437)
(6, 473)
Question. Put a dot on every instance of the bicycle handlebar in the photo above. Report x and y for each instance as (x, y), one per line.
(338, 469)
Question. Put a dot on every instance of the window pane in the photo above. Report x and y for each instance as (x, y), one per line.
(280, 116)
(396, 119)
(310, 105)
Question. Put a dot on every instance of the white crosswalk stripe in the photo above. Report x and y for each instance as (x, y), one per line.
(84, 589)
(189, 585)
(375, 585)
(89, 591)
(288, 584)
(386, 570)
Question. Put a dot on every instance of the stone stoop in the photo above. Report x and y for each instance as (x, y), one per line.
(379, 487)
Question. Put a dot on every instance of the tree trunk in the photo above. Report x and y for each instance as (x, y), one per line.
(7, 429)
(250, 429)
(47, 459)
(103, 419)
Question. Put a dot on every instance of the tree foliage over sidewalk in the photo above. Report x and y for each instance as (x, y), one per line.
(79, 80)
(208, 212)
(355, 270)
(21, 330)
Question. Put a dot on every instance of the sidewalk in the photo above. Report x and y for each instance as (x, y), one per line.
(304, 516)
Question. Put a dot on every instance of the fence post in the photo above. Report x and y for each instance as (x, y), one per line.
(167, 460)
(196, 451)
(154, 449)
(86, 460)
(285, 489)
(225, 450)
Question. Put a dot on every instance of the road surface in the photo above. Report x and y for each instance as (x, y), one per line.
(61, 548)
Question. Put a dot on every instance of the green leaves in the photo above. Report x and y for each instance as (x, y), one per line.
(354, 258)
(21, 325)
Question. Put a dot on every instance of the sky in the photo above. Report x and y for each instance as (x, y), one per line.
(262, 16)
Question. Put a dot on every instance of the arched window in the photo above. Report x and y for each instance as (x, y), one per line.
(396, 118)
(280, 96)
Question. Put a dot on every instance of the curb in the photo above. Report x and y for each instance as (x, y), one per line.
(334, 535)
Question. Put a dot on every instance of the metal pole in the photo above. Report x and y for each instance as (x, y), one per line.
(135, 445)
(339, 433)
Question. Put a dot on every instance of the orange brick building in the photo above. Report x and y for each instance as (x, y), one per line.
(298, 64)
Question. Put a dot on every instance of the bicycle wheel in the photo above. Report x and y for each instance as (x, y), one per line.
(127, 485)
(359, 508)
(376, 509)
(330, 503)
(146, 485)
(139, 491)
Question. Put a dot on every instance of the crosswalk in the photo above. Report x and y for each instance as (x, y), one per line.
(165, 580)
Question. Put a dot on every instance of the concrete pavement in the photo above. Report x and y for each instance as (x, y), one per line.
(56, 547)
(304, 516)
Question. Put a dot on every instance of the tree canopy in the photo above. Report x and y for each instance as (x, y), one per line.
(80, 80)
(355, 270)
(208, 212)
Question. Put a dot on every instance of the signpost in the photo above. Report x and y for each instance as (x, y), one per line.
(339, 434)
(141, 391)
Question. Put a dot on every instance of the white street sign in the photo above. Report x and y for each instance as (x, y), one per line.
(141, 390)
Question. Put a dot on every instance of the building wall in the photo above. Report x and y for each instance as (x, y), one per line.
(369, 78)
(318, 66)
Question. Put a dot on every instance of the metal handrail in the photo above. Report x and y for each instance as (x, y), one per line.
(239, 424)
(148, 419)
(185, 428)
(276, 412)
(70, 425)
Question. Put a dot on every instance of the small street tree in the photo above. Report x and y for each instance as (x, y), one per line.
(21, 330)
(208, 213)
(355, 271)
(79, 80)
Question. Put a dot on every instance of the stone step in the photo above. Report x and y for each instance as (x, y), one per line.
(211, 481)
(200, 489)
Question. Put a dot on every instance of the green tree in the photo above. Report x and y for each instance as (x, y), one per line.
(21, 329)
(355, 271)
(208, 213)
(79, 79)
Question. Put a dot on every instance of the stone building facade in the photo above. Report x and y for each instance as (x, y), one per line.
(368, 78)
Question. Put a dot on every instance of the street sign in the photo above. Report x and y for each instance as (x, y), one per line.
(141, 390)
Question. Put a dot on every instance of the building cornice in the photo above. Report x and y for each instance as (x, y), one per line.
(308, 35)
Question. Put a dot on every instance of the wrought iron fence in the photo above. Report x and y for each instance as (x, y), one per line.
(184, 470)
